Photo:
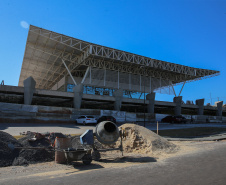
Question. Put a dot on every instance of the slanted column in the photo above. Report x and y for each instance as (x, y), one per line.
(78, 93)
(151, 106)
(178, 101)
(29, 89)
(200, 103)
(118, 94)
(219, 108)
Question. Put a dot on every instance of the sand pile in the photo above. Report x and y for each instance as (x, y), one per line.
(144, 141)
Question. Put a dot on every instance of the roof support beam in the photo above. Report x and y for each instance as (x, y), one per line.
(69, 72)
(173, 90)
(84, 77)
(71, 67)
(182, 88)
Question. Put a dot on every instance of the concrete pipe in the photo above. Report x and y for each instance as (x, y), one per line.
(107, 132)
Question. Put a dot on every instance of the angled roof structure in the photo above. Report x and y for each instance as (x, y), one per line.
(45, 50)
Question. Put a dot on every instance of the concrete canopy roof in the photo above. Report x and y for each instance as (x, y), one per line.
(45, 50)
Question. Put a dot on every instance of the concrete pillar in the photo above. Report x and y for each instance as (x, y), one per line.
(29, 89)
(78, 92)
(200, 103)
(151, 106)
(219, 107)
(118, 94)
(178, 101)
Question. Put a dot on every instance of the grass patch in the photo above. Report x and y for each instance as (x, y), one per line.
(191, 132)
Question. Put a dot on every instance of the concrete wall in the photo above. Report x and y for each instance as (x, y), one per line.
(120, 116)
(59, 84)
(33, 111)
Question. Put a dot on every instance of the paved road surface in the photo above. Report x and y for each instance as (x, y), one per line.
(203, 168)
(16, 128)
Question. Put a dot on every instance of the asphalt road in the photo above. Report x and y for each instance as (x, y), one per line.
(202, 168)
(17, 128)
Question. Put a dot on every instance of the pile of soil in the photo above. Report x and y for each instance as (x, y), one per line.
(9, 156)
(29, 156)
(143, 141)
(6, 154)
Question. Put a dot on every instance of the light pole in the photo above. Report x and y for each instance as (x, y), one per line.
(144, 101)
(144, 91)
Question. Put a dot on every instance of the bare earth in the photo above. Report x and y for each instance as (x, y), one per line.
(141, 146)
(109, 160)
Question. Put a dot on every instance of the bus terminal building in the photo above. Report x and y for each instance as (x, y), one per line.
(63, 71)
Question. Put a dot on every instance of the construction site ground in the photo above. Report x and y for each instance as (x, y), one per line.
(166, 129)
(110, 160)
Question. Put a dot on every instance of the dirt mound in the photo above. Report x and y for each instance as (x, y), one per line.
(6, 154)
(144, 141)
(20, 161)
(29, 156)
(26, 142)
(7, 138)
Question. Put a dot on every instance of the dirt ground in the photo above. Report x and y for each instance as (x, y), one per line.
(110, 159)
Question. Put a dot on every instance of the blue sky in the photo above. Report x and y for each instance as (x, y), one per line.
(188, 32)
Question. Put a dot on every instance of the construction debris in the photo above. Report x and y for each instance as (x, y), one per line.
(36, 147)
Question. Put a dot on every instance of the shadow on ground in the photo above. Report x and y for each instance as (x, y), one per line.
(129, 159)
(82, 167)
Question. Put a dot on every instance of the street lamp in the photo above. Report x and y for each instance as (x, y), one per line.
(144, 101)
(144, 91)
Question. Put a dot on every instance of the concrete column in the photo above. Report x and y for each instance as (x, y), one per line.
(200, 103)
(118, 94)
(78, 92)
(219, 107)
(151, 106)
(177, 100)
(29, 89)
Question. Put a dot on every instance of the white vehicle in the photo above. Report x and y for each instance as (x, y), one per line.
(86, 120)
